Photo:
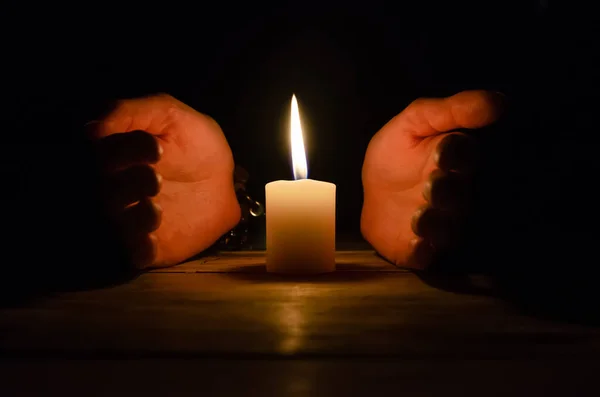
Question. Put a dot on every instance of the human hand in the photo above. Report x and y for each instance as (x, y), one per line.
(416, 176)
(169, 178)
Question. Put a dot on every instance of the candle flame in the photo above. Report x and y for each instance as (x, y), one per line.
(297, 141)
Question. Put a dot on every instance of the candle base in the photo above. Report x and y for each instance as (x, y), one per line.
(300, 264)
(299, 272)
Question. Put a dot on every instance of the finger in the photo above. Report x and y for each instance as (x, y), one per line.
(124, 150)
(449, 191)
(142, 249)
(143, 217)
(455, 152)
(422, 254)
(440, 228)
(153, 114)
(100, 110)
(431, 116)
(131, 185)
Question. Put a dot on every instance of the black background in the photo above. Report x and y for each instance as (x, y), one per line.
(352, 66)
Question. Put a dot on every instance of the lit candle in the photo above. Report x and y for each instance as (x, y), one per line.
(300, 215)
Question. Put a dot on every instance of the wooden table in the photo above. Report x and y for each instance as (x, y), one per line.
(223, 326)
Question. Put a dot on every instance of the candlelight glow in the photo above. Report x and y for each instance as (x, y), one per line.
(297, 141)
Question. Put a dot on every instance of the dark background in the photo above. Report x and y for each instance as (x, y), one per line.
(353, 66)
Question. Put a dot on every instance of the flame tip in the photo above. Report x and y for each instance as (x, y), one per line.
(297, 142)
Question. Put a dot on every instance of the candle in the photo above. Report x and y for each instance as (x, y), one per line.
(300, 215)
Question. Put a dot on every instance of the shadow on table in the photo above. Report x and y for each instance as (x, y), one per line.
(466, 284)
(552, 284)
(58, 237)
(554, 297)
(36, 279)
(533, 232)
(345, 272)
(24, 294)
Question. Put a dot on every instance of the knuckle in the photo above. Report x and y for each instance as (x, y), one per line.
(418, 101)
(209, 120)
(108, 110)
(163, 96)
(115, 110)
(172, 110)
(120, 104)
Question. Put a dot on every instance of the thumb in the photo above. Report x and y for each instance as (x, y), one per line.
(432, 116)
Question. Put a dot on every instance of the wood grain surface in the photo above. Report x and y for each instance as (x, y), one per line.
(225, 311)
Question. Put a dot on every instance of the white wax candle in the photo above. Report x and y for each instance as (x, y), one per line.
(300, 226)
(300, 215)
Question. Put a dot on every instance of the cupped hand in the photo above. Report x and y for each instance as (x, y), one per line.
(416, 176)
(168, 173)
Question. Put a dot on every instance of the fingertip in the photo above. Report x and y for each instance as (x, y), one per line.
(131, 185)
(416, 219)
(422, 254)
(428, 185)
(121, 150)
(427, 191)
(154, 149)
(149, 147)
(157, 207)
(158, 211)
(448, 191)
(159, 180)
(496, 102)
(153, 238)
(475, 108)
(142, 250)
(456, 152)
(440, 228)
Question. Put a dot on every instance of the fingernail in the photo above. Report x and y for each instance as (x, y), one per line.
(427, 191)
(414, 222)
(441, 148)
(156, 206)
(428, 186)
(436, 155)
(413, 243)
(157, 216)
(160, 149)
(159, 179)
